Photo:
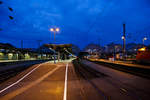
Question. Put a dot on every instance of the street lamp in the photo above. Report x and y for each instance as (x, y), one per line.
(124, 46)
(54, 30)
(144, 40)
(57, 29)
(51, 29)
(122, 37)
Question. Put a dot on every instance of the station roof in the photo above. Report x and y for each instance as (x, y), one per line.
(6, 46)
(58, 45)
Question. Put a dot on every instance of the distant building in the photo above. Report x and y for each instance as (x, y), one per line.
(46, 51)
(94, 50)
(133, 47)
(27, 53)
(8, 52)
(112, 48)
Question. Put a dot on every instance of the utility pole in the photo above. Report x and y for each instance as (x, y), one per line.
(39, 43)
(21, 44)
(124, 41)
(144, 40)
(99, 41)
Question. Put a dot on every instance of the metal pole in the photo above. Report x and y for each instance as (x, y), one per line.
(54, 59)
(54, 49)
(143, 42)
(21, 44)
(54, 37)
(39, 43)
(124, 41)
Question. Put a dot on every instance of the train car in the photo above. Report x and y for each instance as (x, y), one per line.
(143, 55)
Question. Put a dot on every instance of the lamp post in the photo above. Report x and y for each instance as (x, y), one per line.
(124, 41)
(54, 30)
(124, 46)
(144, 40)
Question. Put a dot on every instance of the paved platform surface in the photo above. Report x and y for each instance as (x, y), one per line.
(126, 63)
(62, 81)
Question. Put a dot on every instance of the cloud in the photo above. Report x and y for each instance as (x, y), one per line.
(50, 14)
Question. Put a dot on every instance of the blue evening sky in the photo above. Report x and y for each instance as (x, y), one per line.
(80, 21)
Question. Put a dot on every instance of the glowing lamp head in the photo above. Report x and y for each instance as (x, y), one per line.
(145, 38)
(123, 37)
(57, 29)
(52, 29)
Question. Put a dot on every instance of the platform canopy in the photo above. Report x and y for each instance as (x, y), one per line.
(60, 47)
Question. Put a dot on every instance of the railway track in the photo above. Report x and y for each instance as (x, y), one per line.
(88, 73)
(133, 70)
(11, 72)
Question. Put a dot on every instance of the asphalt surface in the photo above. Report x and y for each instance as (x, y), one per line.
(65, 81)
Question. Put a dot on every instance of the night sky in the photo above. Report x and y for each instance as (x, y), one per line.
(80, 21)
